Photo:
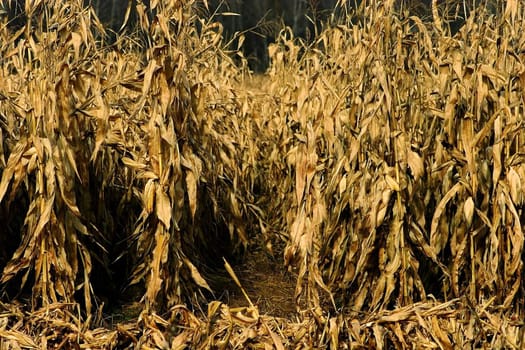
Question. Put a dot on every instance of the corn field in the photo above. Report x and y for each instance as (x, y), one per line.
(366, 191)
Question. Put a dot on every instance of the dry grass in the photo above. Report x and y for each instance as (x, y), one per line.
(381, 169)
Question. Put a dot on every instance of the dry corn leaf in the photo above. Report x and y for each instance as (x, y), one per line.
(196, 276)
(468, 210)
(163, 207)
(415, 162)
(438, 239)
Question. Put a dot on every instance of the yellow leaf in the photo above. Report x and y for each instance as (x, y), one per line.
(392, 184)
(514, 182)
(191, 185)
(149, 196)
(132, 163)
(468, 210)
(163, 207)
(196, 276)
(435, 242)
(415, 162)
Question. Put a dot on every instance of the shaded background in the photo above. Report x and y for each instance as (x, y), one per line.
(261, 20)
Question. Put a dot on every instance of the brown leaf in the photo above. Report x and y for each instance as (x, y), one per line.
(196, 276)
(163, 207)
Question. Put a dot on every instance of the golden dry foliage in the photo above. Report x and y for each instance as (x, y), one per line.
(382, 162)
(404, 165)
(404, 160)
(46, 172)
(87, 127)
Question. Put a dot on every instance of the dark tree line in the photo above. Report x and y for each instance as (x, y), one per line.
(261, 20)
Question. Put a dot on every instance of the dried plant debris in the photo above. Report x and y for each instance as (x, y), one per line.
(367, 191)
